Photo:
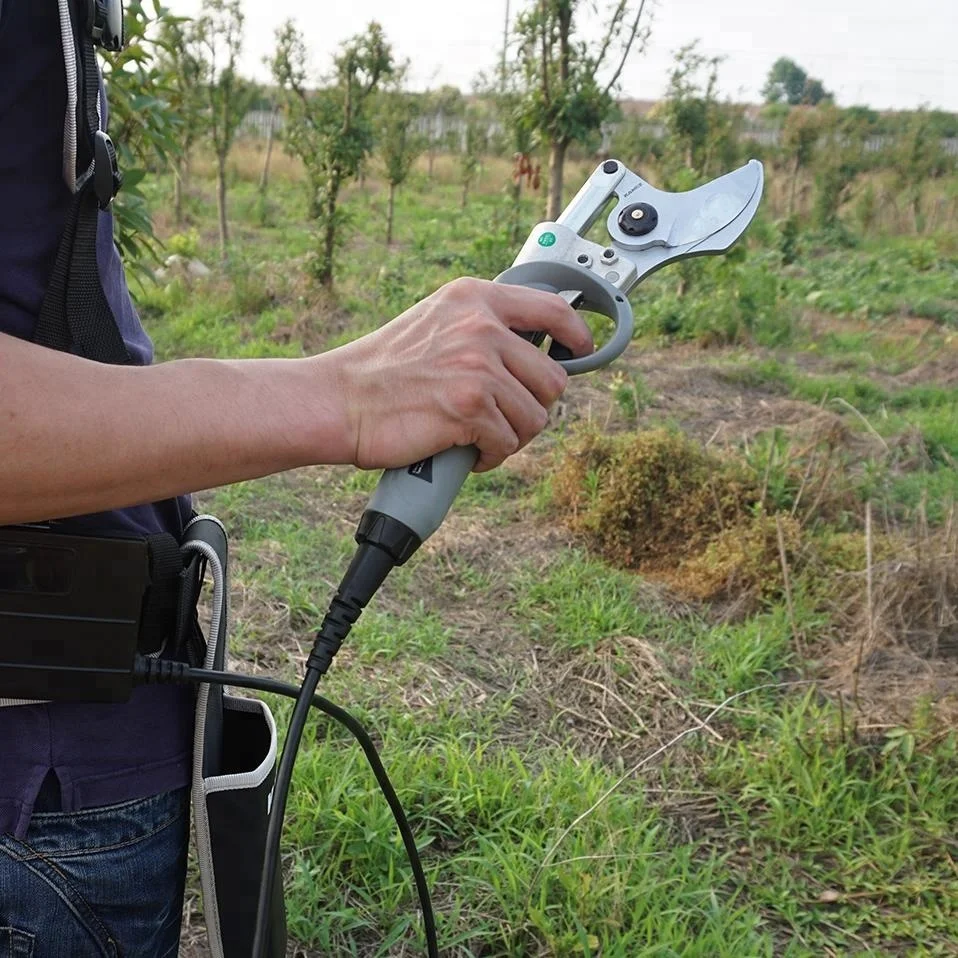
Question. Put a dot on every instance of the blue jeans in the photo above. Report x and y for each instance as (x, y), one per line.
(100, 882)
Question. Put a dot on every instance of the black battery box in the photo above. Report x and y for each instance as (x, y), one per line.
(70, 611)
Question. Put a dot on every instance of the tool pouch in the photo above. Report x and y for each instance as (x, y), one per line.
(234, 759)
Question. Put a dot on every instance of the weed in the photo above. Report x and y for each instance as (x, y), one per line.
(631, 394)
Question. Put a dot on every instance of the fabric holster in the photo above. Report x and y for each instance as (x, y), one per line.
(234, 759)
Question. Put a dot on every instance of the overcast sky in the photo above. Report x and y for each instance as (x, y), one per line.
(883, 53)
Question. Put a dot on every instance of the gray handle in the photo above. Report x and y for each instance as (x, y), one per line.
(598, 296)
(420, 495)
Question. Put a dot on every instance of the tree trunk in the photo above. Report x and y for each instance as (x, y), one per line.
(390, 214)
(556, 171)
(264, 178)
(791, 195)
(464, 199)
(432, 160)
(178, 191)
(517, 211)
(327, 255)
(916, 210)
(221, 202)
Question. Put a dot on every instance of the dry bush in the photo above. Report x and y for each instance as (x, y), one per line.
(745, 559)
(658, 502)
(650, 496)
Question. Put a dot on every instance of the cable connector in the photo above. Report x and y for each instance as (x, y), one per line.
(147, 671)
(366, 573)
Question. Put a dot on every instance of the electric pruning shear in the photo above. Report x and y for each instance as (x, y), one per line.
(648, 229)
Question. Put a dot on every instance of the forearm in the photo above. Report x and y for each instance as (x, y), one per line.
(79, 437)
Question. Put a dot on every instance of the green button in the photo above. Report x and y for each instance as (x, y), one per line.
(547, 239)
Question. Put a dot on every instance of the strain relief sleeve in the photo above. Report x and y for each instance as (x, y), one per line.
(366, 573)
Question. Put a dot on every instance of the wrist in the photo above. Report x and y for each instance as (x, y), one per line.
(329, 423)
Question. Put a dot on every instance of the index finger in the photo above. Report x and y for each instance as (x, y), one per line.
(529, 310)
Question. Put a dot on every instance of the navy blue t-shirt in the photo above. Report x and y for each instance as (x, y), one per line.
(100, 754)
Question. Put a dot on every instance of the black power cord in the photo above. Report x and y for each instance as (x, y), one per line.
(158, 671)
(366, 573)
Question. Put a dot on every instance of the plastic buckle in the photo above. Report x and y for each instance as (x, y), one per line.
(107, 178)
(104, 23)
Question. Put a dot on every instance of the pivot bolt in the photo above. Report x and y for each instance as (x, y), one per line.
(584, 259)
(638, 219)
(609, 256)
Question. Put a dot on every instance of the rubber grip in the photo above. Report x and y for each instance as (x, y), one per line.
(420, 495)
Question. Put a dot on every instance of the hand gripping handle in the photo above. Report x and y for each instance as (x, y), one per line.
(598, 296)
(420, 495)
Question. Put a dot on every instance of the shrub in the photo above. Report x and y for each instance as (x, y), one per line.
(650, 497)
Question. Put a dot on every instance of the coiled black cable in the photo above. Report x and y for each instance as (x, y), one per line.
(149, 671)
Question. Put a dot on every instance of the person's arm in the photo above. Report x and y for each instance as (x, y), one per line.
(79, 437)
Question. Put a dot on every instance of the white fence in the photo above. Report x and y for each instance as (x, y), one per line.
(450, 131)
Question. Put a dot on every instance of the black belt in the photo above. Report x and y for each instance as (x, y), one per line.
(71, 605)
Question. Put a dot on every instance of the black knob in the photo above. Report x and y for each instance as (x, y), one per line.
(610, 166)
(638, 219)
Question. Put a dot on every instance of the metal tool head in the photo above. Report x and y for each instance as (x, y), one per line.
(648, 228)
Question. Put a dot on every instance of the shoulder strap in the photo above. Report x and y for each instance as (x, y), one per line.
(75, 315)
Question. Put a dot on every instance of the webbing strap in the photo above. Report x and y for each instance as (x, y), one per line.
(75, 315)
(162, 598)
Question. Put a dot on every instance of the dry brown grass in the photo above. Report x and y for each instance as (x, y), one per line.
(894, 644)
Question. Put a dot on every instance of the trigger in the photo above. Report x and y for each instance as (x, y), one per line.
(557, 351)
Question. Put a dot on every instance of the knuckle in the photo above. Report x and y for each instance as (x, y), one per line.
(475, 362)
(482, 323)
(468, 398)
(465, 287)
(533, 424)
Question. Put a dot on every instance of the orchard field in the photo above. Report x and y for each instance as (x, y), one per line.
(681, 677)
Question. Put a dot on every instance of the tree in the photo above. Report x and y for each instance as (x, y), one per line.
(330, 129)
(439, 106)
(701, 129)
(181, 59)
(800, 134)
(220, 35)
(474, 143)
(563, 99)
(837, 165)
(917, 156)
(143, 125)
(789, 82)
(400, 144)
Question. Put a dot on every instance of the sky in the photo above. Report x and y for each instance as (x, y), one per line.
(882, 53)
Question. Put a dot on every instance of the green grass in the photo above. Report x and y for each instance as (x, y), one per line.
(578, 602)
(849, 844)
(924, 417)
(486, 818)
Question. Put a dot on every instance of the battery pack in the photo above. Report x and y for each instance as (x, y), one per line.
(70, 610)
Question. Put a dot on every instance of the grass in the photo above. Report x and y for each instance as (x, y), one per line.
(518, 686)
(848, 843)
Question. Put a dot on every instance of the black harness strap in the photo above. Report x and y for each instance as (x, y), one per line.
(162, 597)
(75, 315)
